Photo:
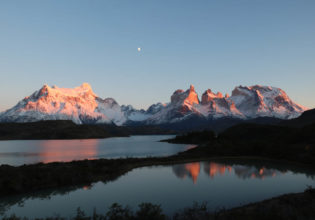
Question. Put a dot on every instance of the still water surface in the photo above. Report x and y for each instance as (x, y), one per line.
(34, 151)
(219, 183)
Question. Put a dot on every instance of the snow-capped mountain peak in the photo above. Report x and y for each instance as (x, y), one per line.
(84, 90)
(208, 95)
(82, 105)
(189, 96)
(265, 101)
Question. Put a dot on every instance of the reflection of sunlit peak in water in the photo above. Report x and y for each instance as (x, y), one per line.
(212, 169)
(246, 172)
(87, 187)
(261, 171)
(191, 170)
(229, 169)
(68, 150)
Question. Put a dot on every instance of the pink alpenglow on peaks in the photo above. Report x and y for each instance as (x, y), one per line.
(192, 97)
(265, 101)
(208, 96)
(82, 105)
(244, 103)
(189, 96)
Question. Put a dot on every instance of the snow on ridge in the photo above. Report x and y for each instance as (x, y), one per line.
(82, 105)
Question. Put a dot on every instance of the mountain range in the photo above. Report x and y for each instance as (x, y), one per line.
(83, 106)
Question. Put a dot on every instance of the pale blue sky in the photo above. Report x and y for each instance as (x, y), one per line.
(211, 44)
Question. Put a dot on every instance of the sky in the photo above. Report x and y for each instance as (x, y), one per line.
(210, 44)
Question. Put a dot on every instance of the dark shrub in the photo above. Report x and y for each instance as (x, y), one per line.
(150, 211)
(117, 212)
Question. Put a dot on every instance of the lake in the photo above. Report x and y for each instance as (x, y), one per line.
(34, 151)
(220, 183)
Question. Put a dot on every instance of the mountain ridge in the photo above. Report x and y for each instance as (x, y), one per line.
(83, 106)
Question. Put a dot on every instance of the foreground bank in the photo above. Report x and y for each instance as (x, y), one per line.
(31, 178)
(289, 206)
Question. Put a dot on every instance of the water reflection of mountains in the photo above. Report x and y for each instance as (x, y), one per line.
(212, 169)
(242, 171)
(241, 168)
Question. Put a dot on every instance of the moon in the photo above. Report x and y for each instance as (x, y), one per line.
(139, 49)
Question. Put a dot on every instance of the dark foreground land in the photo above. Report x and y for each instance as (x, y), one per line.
(290, 206)
(69, 130)
(253, 140)
(51, 130)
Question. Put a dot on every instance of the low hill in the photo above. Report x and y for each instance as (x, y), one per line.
(52, 130)
(59, 129)
(307, 118)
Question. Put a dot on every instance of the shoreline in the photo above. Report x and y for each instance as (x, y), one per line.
(48, 178)
(15, 180)
(286, 206)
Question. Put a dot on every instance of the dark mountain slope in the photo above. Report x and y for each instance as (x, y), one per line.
(307, 118)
